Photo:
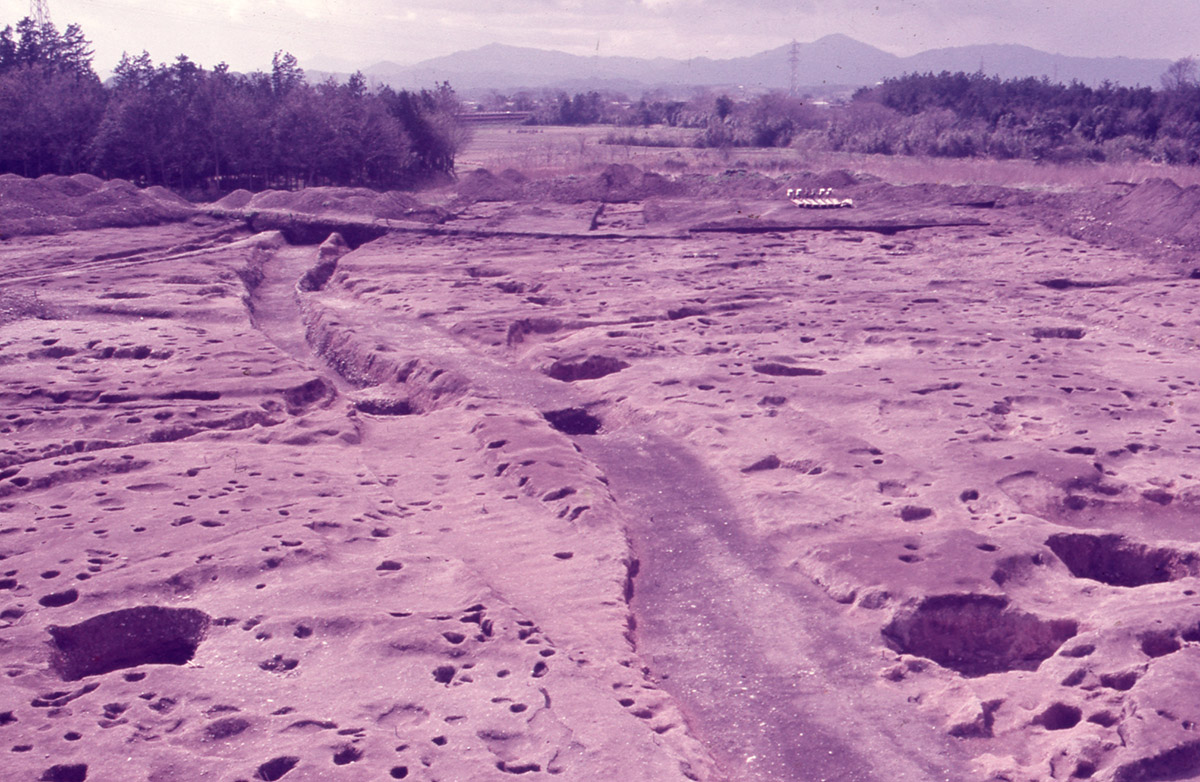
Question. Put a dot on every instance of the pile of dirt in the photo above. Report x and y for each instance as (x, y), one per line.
(1157, 209)
(1160, 207)
(732, 183)
(357, 201)
(235, 200)
(483, 185)
(615, 184)
(835, 179)
(928, 195)
(54, 204)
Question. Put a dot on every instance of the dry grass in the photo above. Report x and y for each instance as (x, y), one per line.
(562, 151)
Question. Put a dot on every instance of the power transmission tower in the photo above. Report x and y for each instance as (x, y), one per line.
(793, 60)
(39, 12)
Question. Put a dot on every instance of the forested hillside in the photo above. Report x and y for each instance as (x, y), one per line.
(195, 129)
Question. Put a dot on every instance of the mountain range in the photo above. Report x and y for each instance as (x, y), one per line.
(835, 61)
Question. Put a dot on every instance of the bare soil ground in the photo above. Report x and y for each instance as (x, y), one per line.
(609, 475)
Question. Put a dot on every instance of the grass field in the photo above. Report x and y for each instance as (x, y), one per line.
(559, 151)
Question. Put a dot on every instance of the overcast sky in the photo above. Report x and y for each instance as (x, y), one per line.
(359, 33)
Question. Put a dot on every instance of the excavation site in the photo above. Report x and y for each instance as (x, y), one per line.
(623, 474)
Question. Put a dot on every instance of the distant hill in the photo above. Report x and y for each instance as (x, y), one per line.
(835, 60)
(1011, 60)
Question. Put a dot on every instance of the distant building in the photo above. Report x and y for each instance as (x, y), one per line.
(494, 117)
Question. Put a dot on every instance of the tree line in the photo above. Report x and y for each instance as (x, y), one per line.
(944, 114)
(974, 115)
(196, 129)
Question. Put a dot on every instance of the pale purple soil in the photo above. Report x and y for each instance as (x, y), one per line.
(614, 478)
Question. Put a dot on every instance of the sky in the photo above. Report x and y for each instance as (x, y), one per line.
(350, 34)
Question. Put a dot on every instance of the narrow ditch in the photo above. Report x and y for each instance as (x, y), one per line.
(273, 307)
(275, 311)
(756, 659)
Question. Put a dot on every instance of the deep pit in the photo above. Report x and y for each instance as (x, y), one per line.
(384, 406)
(976, 635)
(573, 420)
(1060, 332)
(590, 368)
(1114, 559)
(1059, 716)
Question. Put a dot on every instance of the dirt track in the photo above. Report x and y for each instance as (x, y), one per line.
(612, 478)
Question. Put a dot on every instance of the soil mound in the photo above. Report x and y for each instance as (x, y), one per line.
(731, 183)
(1161, 209)
(236, 200)
(1156, 217)
(810, 179)
(54, 204)
(358, 201)
(483, 185)
(617, 183)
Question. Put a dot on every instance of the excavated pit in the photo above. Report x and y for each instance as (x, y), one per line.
(384, 406)
(1059, 716)
(1115, 560)
(784, 370)
(1061, 332)
(1179, 762)
(573, 421)
(590, 368)
(976, 635)
(126, 639)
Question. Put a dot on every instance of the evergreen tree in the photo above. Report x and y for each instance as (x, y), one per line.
(183, 126)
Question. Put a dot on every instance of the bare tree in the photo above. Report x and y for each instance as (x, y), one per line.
(1181, 74)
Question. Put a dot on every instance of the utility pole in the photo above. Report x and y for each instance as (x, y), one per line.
(39, 12)
(794, 61)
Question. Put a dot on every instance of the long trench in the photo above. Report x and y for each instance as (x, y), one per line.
(772, 680)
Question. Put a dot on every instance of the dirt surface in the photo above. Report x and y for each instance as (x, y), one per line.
(617, 476)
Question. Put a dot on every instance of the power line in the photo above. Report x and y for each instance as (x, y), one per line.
(794, 61)
(39, 12)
